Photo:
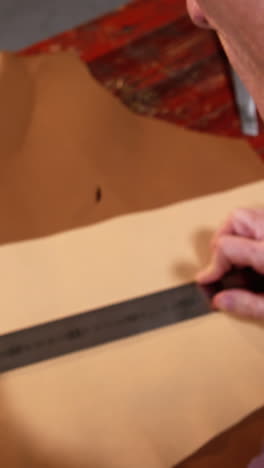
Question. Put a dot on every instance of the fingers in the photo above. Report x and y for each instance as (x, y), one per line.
(245, 223)
(239, 242)
(231, 251)
(218, 266)
(240, 303)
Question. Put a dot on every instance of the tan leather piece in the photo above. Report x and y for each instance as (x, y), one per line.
(72, 155)
(131, 404)
(148, 401)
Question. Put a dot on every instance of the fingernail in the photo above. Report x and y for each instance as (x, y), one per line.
(225, 302)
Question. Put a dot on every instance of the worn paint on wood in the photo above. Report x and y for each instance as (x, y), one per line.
(152, 57)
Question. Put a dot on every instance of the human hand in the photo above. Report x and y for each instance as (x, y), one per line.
(257, 462)
(239, 242)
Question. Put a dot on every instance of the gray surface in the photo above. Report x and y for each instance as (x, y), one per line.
(23, 22)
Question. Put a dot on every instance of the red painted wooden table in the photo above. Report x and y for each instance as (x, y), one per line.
(158, 63)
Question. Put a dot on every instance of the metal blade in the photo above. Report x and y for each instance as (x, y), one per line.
(101, 326)
(246, 106)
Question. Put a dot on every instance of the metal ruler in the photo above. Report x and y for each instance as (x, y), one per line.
(98, 327)
(246, 107)
(118, 321)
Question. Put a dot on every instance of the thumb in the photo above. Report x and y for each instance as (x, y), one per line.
(233, 250)
(241, 303)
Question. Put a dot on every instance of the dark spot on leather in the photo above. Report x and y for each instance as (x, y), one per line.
(98, 195)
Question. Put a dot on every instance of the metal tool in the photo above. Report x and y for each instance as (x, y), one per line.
(246, 107)
(101, 326)
(119, 321)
